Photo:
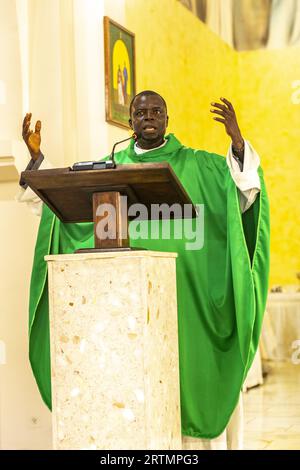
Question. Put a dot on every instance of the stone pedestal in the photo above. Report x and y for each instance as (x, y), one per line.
(114, 351)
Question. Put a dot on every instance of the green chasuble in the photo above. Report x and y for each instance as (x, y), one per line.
(221, 287)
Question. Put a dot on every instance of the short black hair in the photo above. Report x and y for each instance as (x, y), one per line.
(146, 92)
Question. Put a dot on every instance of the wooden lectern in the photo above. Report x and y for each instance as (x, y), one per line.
(113, 316)
(75, 196)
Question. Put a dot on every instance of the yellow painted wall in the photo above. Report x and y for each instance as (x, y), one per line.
(182, 59)
(179, 57)
(271, 114)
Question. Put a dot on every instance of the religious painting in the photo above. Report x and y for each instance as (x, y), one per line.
(120, 85)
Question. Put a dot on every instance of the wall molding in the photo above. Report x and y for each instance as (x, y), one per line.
(13, 160)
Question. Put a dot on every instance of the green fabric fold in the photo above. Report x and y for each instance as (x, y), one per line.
(221, 288)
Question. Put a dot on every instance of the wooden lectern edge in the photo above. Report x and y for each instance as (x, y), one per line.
(109, 189)
(112, 254)
(68, 170)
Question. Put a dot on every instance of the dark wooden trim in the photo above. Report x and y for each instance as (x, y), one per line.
(117, 229)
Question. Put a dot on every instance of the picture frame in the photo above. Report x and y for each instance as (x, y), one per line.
(120, 79)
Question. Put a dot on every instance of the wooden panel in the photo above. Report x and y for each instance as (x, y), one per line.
(69, 193)
(116, 228)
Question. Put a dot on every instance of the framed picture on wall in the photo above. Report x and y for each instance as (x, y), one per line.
(120, 88)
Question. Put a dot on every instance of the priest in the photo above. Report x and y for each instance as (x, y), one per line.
(222, 285)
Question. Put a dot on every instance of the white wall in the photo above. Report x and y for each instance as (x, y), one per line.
(10, 78)
(52, 64)
(25, 421)
(95, 136)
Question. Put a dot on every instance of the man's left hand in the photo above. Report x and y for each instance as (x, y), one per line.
(228, 118)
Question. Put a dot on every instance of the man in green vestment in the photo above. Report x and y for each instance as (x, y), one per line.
(222, 284)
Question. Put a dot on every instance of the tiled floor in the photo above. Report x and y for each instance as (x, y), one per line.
(272, 411)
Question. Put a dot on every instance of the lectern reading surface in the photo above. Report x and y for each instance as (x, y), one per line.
(75, 196)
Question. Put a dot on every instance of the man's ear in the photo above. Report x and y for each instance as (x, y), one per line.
(130, 123)
(167, 122)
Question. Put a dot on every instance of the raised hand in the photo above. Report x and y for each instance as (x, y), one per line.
(228, 118)
(32, 139)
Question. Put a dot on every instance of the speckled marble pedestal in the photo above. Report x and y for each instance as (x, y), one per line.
(114, 351)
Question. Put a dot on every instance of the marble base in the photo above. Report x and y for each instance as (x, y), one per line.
(114, 351)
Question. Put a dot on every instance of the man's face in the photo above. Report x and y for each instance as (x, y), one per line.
(149, 120)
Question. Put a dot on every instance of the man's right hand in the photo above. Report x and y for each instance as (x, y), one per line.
(32, 139)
